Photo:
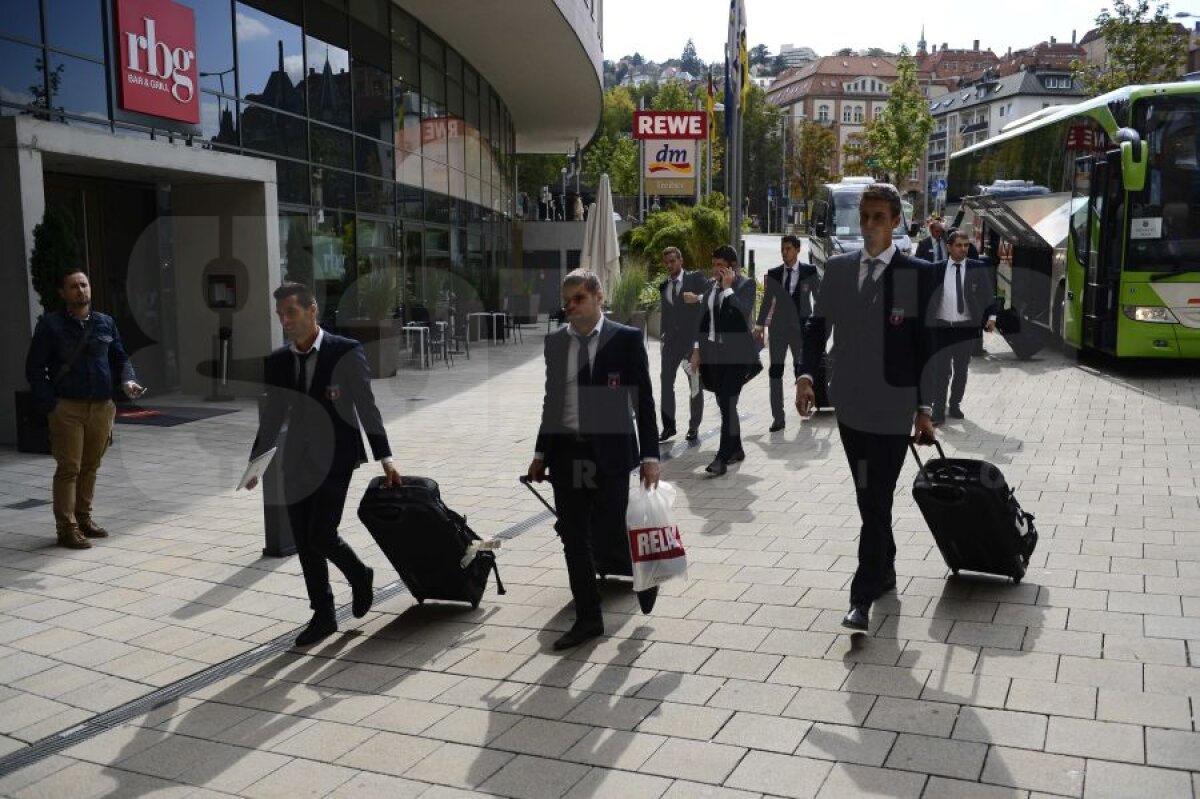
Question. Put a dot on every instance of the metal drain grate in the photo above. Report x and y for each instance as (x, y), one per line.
(53, 744)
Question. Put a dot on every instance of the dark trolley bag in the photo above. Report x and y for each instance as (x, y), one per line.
(975, 519)
(431, 546)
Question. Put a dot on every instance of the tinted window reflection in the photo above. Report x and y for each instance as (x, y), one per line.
(292, 180)
(22, 81)
(272, 132)
(332, 147)
(270, 59)
(327, 83)
(374, 158)
(74, 25)
(295, 247)
(22, 19)
(214, 45)
(375, 196)
(78, 87)
(218, 120)
(332, 188)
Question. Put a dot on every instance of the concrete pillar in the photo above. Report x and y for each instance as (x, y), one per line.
(242, 220)
(22, 204)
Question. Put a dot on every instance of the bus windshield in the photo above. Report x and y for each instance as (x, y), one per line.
(845, 216)
(1166, 213)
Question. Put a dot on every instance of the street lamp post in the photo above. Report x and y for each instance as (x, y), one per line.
(564, 194)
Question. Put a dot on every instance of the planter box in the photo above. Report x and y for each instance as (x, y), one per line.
(380, 341)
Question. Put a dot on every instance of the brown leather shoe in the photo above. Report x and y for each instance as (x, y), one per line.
(90, 529)
(72, 538)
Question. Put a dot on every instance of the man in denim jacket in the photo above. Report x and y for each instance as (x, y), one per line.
(72, 360)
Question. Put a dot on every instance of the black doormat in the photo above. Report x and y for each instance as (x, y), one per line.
(166, 416)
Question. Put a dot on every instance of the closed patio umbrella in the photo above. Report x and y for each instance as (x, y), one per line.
(601, 251)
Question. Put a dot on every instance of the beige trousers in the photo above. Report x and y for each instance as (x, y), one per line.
(79, 434)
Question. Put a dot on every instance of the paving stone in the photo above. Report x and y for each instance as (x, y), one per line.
(601, 783)
(1003, 727)
(1100, 673)
(864, 781)
(687, 721)
(300, 778)
(966, 689)
(1098, 739)
(753, 697)
(541, 737)
(615, 748)
(462, 766)
(942, 788)
(913, 715)
(1122, 781)
(835, 707)
(1059, 699)
(695, 760)
(949, 758)
(886, 680)
(1034, 771)
(1173, 749)
(848, 744)
(769, 733)
(780, 775)
(1147, 709)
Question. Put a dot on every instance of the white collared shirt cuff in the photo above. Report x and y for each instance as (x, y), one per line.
(992, 318)
(386, 460)
(539, 456)
(927, 410)
(809, 378)
(727, 292)
(649, 460)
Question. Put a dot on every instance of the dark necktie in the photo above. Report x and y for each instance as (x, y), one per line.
(868, 284)
(675, 291)
(584, 375)
(302, 374)
(962, 304)
(787, 279)
(937, 250)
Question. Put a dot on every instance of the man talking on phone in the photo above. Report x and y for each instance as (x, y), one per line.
(873, 302)
(75, 360)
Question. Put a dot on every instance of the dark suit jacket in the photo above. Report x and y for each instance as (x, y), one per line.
(791, 311)
(680, 321)
(978, 287)
(735, 343)
(877, 367)
(620, 421)
(323, 425)
(925, 249)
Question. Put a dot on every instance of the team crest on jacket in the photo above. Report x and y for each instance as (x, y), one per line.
(896, 317)
(333, 392)
(614, 380)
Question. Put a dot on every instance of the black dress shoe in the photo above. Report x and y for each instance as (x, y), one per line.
(737, 457)
(320, 627)
(717, 467)
(579, 633)
(858, 618)
(364, 594)
(693, 434)
(647, 598)
(666, 434)
(956, 412)
(776, 426)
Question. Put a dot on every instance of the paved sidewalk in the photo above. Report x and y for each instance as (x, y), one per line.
(1080, 681)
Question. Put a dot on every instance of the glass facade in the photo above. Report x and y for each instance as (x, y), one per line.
(391, 151)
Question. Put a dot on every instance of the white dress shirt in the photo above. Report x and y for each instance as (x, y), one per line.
(948, 308)
(713, 295)
(571, 396)
(884, 261)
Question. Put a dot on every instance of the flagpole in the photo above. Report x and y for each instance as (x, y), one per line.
(696, 160)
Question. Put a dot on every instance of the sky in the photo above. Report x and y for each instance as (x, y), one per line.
(659, 29)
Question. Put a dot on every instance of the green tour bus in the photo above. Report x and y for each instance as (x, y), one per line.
(1092, 214)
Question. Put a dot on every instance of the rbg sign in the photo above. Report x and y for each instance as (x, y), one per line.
(157, 72)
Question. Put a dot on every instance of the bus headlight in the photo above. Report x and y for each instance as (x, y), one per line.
(1150, 313)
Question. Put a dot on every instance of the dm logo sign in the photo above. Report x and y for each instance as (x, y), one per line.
(670, 158)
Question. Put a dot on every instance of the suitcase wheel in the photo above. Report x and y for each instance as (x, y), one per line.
(475, 605)
(420, 600)
(1019, 572)
(954, 572)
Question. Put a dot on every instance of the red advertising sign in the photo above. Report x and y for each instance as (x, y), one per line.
(157, 72)
(669, 125)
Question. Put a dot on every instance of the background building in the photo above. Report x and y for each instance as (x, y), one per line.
(322, 140)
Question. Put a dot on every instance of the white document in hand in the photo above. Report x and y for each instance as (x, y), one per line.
(255, 469)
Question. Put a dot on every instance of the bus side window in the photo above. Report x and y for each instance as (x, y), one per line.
(1079, 216)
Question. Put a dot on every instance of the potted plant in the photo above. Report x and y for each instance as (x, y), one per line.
(375, 295)
(623, 299)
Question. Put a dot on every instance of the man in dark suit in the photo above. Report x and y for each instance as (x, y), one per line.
(681, 311)
(935, 246)
(788, 293)
(962, 307)
(597, 424)
(873, 302)
(320, 385)
(726, 350)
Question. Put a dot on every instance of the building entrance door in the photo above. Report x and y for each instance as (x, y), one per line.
(123, 237)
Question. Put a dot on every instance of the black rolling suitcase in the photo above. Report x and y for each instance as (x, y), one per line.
(611, 558)
(975, 519)
(428, 543)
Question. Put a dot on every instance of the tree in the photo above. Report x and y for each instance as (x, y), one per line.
(856, 154)
(898, 136)
(761, 149)
(54, 251)
(811, 161)
(845, 51)
(1141, 48)
(878, 52)
(778, 65)
(539, 170)
(617, 116)
(673, 96)
(759, 54)
(636, 59)
(689, 61)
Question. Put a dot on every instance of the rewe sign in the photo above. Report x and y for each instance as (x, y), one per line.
(669, 125)
(157, 73)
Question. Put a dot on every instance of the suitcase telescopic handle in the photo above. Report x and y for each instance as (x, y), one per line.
(529, 484)
(913, 449)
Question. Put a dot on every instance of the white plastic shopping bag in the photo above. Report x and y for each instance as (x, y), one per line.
(654, 541)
